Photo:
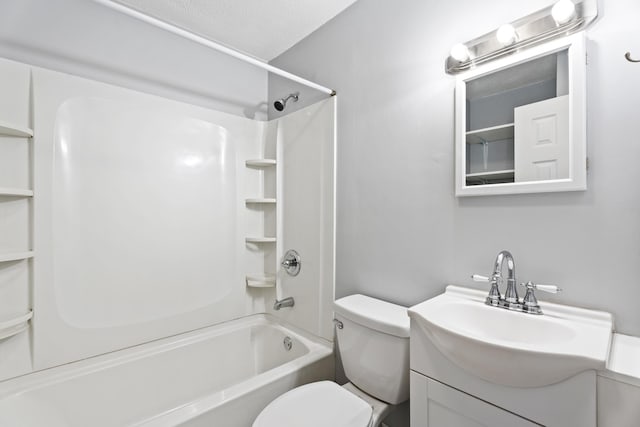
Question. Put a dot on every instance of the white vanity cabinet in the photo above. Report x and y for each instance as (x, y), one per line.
(445, 395)
(438, 405)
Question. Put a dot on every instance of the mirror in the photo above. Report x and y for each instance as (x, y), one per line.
(521, 122)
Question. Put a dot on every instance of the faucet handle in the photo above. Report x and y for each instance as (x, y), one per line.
(552, 289)
(494, 296)
(530, 302)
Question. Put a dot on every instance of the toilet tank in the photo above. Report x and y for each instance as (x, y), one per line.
(374, 346)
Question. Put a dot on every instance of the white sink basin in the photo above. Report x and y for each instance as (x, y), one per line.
(512, 348)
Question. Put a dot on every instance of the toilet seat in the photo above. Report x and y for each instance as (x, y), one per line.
(318, 404)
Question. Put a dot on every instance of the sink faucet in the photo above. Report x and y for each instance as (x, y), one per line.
(511, 301)
(511, 294)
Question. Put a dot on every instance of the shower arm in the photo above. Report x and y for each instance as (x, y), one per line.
(212, 45)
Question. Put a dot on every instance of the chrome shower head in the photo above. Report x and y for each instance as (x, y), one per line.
(282, 102)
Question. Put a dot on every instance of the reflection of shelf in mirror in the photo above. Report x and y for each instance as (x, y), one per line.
(15, 192)
(260, 239)
(16, 256)
(260, 163)
(494, 133)
(260, 201)
(492, 175)
(14, 325)
(7, 129)
(265, 281)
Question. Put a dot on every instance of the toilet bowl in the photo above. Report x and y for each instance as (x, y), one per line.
(373, 341)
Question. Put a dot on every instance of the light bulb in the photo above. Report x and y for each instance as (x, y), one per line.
(563, 11)
(506, 35)
(460, 52)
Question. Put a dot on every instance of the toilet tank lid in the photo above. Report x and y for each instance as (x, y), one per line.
(373, 313)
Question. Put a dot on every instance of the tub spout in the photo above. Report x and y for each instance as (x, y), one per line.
(285, 302)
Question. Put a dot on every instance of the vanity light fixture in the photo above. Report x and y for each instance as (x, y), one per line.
(561, 19)
(507, 35)
(460, 52)
(563, 11)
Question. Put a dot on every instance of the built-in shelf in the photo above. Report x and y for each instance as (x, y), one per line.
(260, 163)
(494, 133)
(260, 239)
(260, 201)
(492, 175)
(15, 192)
(16, 256)
(14, 325)
(7, 129)
(264, 281)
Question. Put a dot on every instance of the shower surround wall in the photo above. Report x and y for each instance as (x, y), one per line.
(401, 233)
(140, 218)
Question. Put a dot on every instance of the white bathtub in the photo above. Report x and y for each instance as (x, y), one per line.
(218, 376)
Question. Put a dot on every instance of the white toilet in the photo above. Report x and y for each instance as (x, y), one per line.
(373, 340)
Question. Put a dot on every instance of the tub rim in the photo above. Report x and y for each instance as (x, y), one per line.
(40, 379)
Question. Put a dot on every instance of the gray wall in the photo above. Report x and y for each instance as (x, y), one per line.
(86, 39)
(401, 233)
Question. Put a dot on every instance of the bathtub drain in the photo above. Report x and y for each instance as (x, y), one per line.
(288, 343)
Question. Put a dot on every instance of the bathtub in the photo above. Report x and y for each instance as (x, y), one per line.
(222, 375)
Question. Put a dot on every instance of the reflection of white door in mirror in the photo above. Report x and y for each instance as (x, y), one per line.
(541, 142)
(521, 122)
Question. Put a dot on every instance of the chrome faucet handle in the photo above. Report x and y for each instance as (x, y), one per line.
(479, 278)
(494, 296)
(552, 289)
(530, 302)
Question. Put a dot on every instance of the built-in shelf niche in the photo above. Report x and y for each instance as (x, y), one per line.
(8, 129)
(260, 239)
(260, 163)
(261, 281)
(263, 244)
(260, 201)
(16, 256)
(13, 325)
(16, 192)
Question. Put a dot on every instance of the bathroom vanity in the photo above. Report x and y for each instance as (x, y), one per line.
(473, 364)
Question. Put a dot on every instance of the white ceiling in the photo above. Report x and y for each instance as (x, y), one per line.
(261, 28)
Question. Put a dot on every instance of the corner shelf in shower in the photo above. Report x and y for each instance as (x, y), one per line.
(14, 325)
(263, 281)
(260, 239)
(260, 163)
(16, 256)
(8, 129)
(20, 192)
(260, 201)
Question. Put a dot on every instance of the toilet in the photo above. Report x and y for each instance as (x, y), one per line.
(373, 341)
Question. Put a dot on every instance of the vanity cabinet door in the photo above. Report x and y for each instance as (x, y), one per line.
(434, 404)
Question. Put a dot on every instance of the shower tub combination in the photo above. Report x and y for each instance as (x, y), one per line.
(139, 227)
(222, 375)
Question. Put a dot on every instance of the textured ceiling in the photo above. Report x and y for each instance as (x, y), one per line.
(261, 28)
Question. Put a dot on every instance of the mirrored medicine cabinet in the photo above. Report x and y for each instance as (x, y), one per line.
(521, 122)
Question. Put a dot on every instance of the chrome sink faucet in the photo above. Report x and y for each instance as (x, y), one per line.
(511, 300)
(511, 294)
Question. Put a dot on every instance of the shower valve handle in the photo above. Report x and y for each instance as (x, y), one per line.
(291, 262)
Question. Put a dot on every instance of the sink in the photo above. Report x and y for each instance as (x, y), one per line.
(512, 348)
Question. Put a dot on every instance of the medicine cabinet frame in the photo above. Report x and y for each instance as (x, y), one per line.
(577, 143)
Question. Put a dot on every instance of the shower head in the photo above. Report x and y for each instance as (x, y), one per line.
(282, 102)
